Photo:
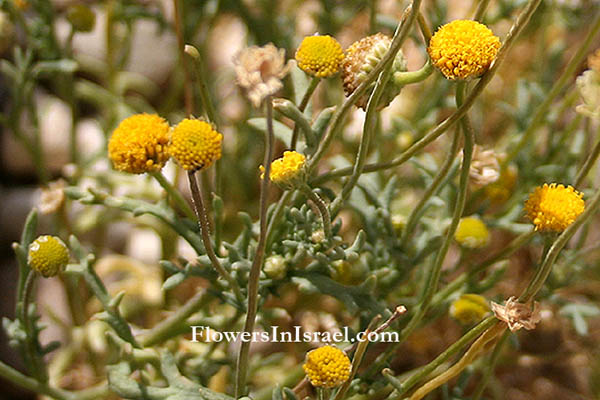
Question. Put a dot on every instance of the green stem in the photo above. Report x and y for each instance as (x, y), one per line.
(408, 77)
(542, 110)
(244, 353)
(31, 354)
(431, 190)
(182, 204)
(439, 360)
(491, 365)
(198, 202)
(205, 97)
(511, 38)
(302, 106)
(322, 207)
(187, 87)
(368, 132)
(14, 376)
(481, 7)
(277, 214)
(170, 326)
(434, 275)
(588, 164)
(337, 119)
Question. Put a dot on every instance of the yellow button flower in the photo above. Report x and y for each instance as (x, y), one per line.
(139, 144)
(195, 144)
(319, 56)
(327, 367)
(472, 233)
(286, 170)
(554, 207)
(48, 255)
(463, 49)
(469, 308)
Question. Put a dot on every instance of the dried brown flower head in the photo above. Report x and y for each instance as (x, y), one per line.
(259, 71)
(52, 197)
(517, 315)
(485, 168)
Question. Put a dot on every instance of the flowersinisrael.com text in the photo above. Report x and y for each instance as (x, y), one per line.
(206, 334)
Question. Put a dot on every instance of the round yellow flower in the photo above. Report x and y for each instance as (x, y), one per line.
(48, 255)
(469, 308)
(139, 144)
(195, 144)
(327, 367)
(286, 170)
(319, 56)
(463, 49)
(554, 207)
(472, 233)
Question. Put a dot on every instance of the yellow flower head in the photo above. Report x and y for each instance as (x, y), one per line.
(319, 56)
(472, 233)
(48, 255)
(469, 308)
(327, 367)
(361, 57)
(139, 144)
(554, 207)
(195, 144)
(463, 49)
(286, 170)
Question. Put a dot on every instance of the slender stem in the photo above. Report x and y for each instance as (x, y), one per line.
(14, 376)
(481, 7)
(276, 216)
(439, 360)
(198, 201)
(244, 353)
(431, 190)
(174, 194)
(302, 106)
(588, 164)
(32, 357)
(372, 17)
(337, 119)
(512, 36)
(368, 132)
(322, 207)
(542, 110)
(474, 351)
(169, 327)
(433, 277)
(408, 77)
(187, 87)
(205, 97)
(425, 31)
(491, 365)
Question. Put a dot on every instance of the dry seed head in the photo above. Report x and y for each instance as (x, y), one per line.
(361, 57)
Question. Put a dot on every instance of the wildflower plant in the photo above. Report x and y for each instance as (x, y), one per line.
(219, 172)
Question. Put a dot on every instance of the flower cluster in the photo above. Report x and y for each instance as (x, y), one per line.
(554, 207)
(463, 49)
(327, 367)
(48, 255)
(143, 143)
(319, 56)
